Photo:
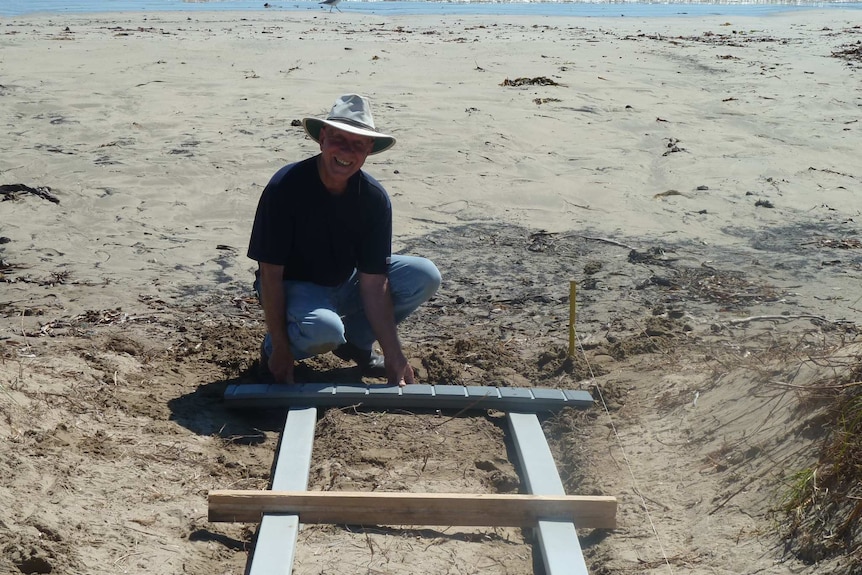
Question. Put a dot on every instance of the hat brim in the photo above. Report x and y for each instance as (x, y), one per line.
(382, 142)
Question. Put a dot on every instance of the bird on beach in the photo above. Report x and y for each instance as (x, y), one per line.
(332, 4)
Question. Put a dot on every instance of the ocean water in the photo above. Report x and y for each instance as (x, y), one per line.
(498, 7)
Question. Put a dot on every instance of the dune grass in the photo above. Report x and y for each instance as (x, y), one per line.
(824, 502)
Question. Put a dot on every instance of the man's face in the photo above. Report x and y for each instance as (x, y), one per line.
(343, 153)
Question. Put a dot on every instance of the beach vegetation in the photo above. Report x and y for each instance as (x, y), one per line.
(823, 502)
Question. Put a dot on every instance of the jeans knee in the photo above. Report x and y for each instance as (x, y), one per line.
(429, 280)
(319, 332)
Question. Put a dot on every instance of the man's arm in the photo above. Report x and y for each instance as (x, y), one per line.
(374, 289)
(274, 312)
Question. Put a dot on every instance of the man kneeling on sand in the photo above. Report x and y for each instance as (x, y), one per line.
(322, 237)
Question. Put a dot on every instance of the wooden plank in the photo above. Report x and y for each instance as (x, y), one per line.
(420, 396)
(399, 508)
(558, 540)
(275, 547)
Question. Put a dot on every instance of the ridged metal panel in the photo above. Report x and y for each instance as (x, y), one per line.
(420, 396)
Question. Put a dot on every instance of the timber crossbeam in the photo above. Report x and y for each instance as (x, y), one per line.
(400, 508)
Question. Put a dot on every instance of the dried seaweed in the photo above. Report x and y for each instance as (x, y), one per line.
(850, 52)
(12, 191)
(537, 81)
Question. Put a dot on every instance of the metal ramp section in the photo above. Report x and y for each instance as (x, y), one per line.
(277, 535)
(526, 399)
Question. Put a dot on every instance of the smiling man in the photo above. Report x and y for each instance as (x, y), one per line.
(322, 237)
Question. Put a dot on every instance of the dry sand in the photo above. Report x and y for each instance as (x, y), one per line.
(698, 177)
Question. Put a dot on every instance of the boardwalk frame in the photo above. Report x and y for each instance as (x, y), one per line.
(276, 541)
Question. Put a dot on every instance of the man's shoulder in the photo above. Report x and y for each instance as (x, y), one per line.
(301, 169)
(371, 181)
(375, 187)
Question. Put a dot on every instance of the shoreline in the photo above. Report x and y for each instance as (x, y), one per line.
(432, 8)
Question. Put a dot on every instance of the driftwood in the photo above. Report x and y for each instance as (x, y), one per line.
(11, 191)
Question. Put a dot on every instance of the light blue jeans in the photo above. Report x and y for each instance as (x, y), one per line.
(320, 318)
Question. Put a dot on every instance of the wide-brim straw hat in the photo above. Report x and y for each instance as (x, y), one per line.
(351, 113)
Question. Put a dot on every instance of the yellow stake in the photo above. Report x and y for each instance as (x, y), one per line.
(572, 294)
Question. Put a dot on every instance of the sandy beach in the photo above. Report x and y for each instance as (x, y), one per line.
(699, 178)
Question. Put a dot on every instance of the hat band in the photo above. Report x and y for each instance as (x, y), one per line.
(353, 123)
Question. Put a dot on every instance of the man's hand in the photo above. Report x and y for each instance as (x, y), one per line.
(281, 365)
(399, 371)
(377, 301)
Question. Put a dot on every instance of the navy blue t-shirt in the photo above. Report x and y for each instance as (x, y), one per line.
(318, 236)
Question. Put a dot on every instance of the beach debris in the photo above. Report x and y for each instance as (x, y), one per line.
(557, 361)
(6, 266)
(657, 336)
(541, 101)
(735, 39)
(13, 191)
(537, 81)
(607, 241)
(850, 52)
(590, 283)
(82, 322)
(668, 194)
(841, 244)
(540, 241)
(672, 147)
(774, 317)
(654, 255)
(828, 171)
(728, 288)
(120, 31)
